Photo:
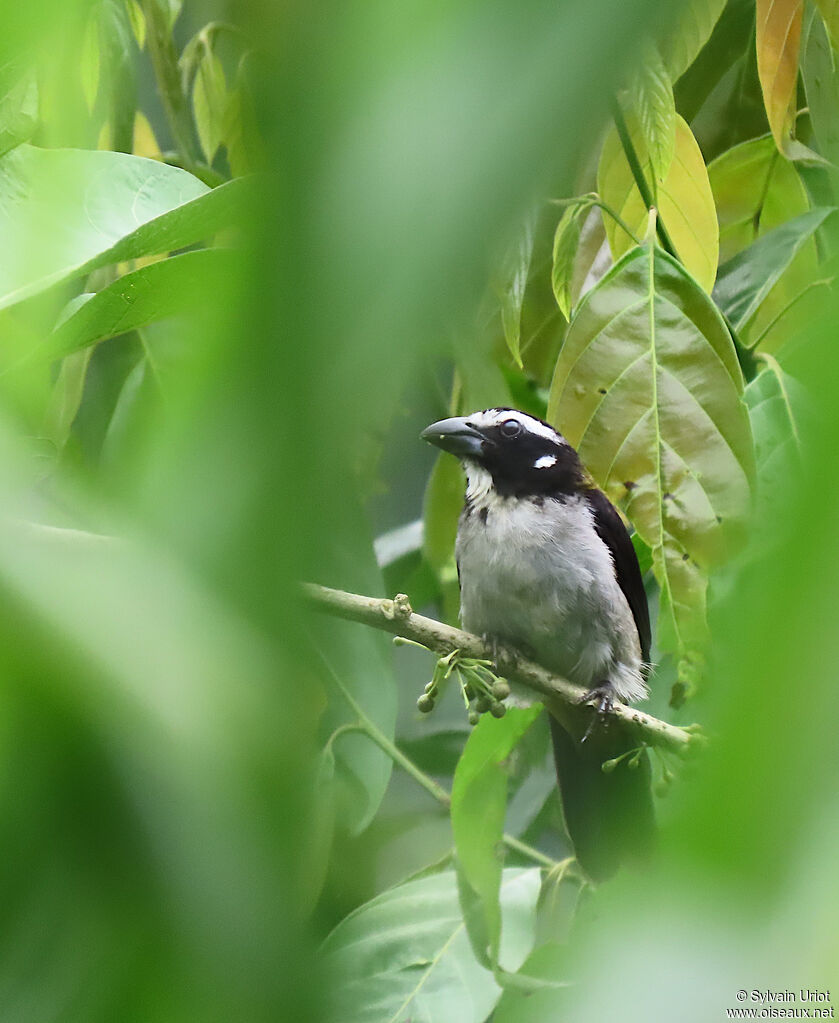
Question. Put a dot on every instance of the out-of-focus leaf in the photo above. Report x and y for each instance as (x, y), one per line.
(566, 241)
(651, 96)
(66, 397)
(87, 209)
(18, 107)
(747, 278)
(829, 10)
(770, 397)
(138, 21)
(406, 956)
(648, 389)
(514, 286)
(479, 804)
(778, 42)
(821, 85)
(145, 143)
(169, 287)
(685, 202)
(91, 59)
(441, 509)
(548, 963)
(209, 103)
(681, 44)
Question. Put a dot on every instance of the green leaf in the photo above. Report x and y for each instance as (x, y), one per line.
(138, 21)
(648, 389)
(756, 190)
(746, 279)
(778, 24)
(169, 287)
(18, 107)
(90, 59)
(821, 85)
(829, 10)
(405, 955)
(479, 804)
(566, 243)
(684, 198)
(651, 97)
(66, 398)
(772, 398)
(441, 509)
(64, 212)
(209, 103)
(681, 44)
(549, 963)
(514, 286)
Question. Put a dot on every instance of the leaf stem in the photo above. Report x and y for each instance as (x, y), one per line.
(638, 176)
(164, 59)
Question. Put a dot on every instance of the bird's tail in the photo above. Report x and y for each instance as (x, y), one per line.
(609, 816)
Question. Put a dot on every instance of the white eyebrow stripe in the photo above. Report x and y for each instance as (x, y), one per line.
(545, 462)
(492, 417)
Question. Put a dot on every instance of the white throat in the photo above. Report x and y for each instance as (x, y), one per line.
(478, 481)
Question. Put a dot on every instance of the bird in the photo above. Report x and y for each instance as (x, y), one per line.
(548, 570)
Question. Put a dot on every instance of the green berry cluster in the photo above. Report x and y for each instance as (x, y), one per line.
(483, 692)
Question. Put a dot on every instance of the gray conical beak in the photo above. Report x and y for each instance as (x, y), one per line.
(455, 436)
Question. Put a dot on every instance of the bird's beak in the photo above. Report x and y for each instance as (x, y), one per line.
(455, 436)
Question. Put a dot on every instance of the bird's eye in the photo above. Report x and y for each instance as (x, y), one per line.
(511, 428)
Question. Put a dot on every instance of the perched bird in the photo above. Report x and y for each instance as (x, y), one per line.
(546, 567)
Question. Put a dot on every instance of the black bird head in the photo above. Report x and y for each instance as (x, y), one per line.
(522, 454)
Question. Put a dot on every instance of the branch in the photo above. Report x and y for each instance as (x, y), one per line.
(397, 617)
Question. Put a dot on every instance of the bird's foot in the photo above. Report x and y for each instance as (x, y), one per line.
(603, 698)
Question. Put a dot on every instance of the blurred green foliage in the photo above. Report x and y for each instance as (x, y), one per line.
(248, 251)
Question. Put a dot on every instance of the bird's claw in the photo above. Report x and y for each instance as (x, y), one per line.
(602, 696)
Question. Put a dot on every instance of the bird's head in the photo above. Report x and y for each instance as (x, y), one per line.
(513, 452)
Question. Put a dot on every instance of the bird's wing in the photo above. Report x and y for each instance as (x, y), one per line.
(611, 530)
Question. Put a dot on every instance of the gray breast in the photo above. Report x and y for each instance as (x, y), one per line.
(535, 575)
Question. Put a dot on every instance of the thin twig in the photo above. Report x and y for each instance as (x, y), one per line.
(398, 618)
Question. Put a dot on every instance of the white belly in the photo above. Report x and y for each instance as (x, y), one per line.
(540, 579)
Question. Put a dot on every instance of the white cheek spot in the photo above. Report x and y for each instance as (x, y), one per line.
(545, 462)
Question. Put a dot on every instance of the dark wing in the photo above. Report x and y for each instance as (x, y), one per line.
(612, 532)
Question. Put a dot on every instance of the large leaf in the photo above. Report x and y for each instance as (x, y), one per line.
(746, 279)
(165, 288)
(479, 804)
(64, 212)
(684, 198)
(778, 25)
(405, 955)
(648, 388)
(682, 42)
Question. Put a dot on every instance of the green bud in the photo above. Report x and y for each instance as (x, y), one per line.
(474, 717)
(609, 765)
(483, 704)
(425, 704)
(500, 689)
(431, 686)
(469, 689)
(498, 710)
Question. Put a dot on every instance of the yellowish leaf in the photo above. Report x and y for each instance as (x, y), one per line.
(685, 202)
(145, 144)
(778, 41)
